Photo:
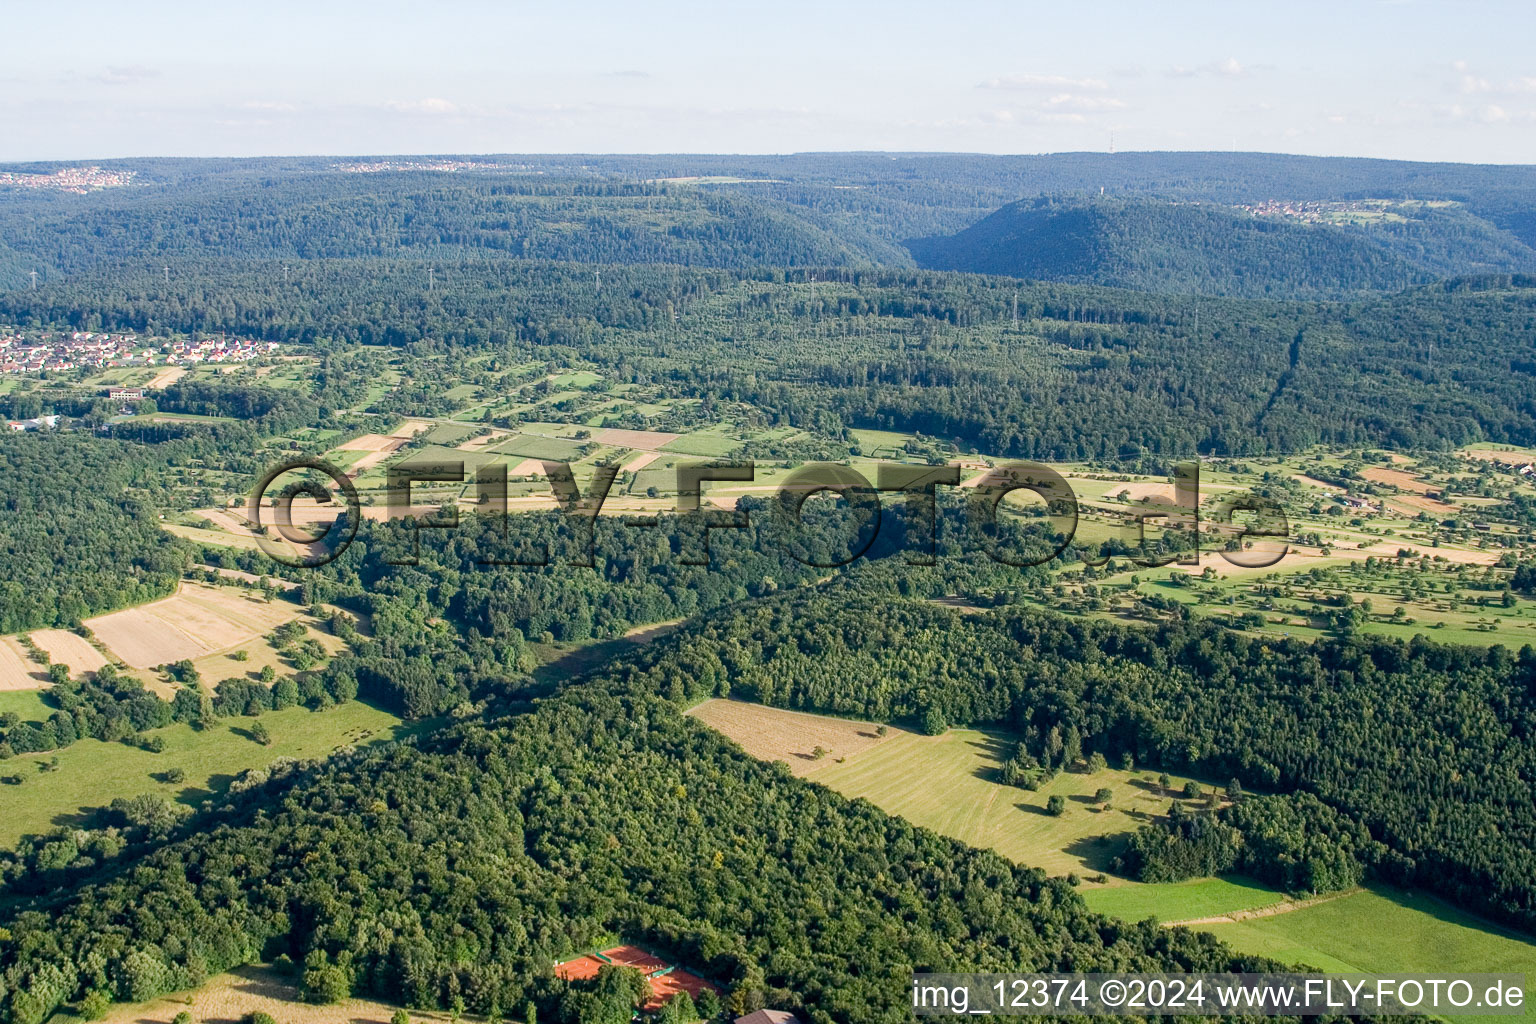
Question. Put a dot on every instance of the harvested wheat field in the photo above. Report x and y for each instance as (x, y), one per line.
(17, 670)
(1396, 478)
(773, 734)
(371, 443)
(198, 620)
(640, 461)
(229, 997)
(166, 377)
(410, 428)
(69, 649)
(644, 439)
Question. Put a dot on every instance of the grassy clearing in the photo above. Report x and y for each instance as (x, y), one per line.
(946, 783)
(92, 774)
(528, 446)
(1382, 931)
(1181, 901)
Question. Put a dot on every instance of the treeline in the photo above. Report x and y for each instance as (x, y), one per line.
(456, 628)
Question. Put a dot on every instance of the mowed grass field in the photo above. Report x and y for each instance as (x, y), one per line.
(1381, 930)
(947, 783)
(1181, 901)
(91, 773)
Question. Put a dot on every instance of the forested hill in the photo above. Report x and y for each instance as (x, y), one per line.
(1189, 248)
(378, 215)
(799, 210)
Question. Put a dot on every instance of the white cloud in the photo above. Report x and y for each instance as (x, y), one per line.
(127, 75)
(1228, 68)
(431, 105)
(1030, 81)
(1084, 104)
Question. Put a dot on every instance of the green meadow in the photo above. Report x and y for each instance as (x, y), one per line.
(91, 774)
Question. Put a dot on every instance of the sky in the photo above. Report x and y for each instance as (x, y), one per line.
(1405, 79)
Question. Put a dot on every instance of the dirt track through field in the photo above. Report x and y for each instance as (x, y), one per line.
(1272, 910)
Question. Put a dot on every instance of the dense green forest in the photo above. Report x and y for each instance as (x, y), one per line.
(1212, 250)
(463, 868)
(72, 543)
(1426, 745)
(1051, 372)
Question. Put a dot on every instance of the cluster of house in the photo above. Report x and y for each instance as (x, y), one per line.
(78, 180)
(1350, 501)
(1311, 212)
(1519, 467)
(90, 350)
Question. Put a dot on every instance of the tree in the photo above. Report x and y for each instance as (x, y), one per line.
(1103, 795)
(934, 724)
(1056, 806)
(1165, 781)
(680, 1009)
(400, 1017)
(1234, 790)
(95, 1004)
(323, 981)
(1191, 790)
(260, 734)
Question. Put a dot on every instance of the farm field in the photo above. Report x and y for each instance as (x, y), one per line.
(66, 648)
(91, 773)
(197, 620)
(17, 669)
(946, 783)
(774, 734)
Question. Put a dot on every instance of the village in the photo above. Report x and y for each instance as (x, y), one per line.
(44, 352)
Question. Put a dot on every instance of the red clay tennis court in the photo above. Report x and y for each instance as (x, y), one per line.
(666, 980)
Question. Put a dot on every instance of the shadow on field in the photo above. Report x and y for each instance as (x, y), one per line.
(1096, 852)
